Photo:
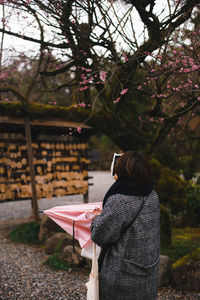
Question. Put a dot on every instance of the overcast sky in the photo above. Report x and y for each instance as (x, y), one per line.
(21, 45)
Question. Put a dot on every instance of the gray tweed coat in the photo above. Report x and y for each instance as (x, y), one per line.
(130, 267)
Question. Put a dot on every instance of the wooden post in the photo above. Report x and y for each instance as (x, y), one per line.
(32, 169)
(85, 197)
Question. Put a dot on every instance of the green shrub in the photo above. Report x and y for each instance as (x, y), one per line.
(198, 179)
(165, 227)
(193, 196)
(55, 263)
(193, 204)
(156, 168)
(170, 187)
(187, 164)
(184, 241)
(26, 233)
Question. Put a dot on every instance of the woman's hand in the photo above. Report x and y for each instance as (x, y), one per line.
(93, 214)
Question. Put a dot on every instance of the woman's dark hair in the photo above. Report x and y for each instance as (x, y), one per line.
(135, 168)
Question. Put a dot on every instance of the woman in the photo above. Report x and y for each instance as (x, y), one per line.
(128, 230)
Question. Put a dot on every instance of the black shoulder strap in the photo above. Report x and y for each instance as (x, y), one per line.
(105, 249)
(137, 214)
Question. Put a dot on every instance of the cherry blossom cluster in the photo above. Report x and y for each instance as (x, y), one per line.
(175, 62)
(52, 102)
(4, 75)
(74, 130)
(89, 77)
(82, 104)
(123, 92)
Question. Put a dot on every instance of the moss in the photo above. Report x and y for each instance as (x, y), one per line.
(184, 241)
(187, 259)
(42, 111)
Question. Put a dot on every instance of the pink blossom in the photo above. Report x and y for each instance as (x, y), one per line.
(3, 75)
(198, 98)
(194, 68)
(103, 75)
(117, 100)
(125, 56)
(124, 91)
(139, 87)
(82, 104)
(83, 88)
(191, 60)
(78, 129)
(84, 53)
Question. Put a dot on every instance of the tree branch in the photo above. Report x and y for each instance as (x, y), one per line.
(27, 38)
(14, 92)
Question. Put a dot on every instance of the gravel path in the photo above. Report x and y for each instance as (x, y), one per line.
(24, 277)
(22, 274)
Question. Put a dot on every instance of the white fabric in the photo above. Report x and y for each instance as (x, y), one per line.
(93, 283)
(87, 252)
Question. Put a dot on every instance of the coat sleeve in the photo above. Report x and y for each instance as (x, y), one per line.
(106, 228)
